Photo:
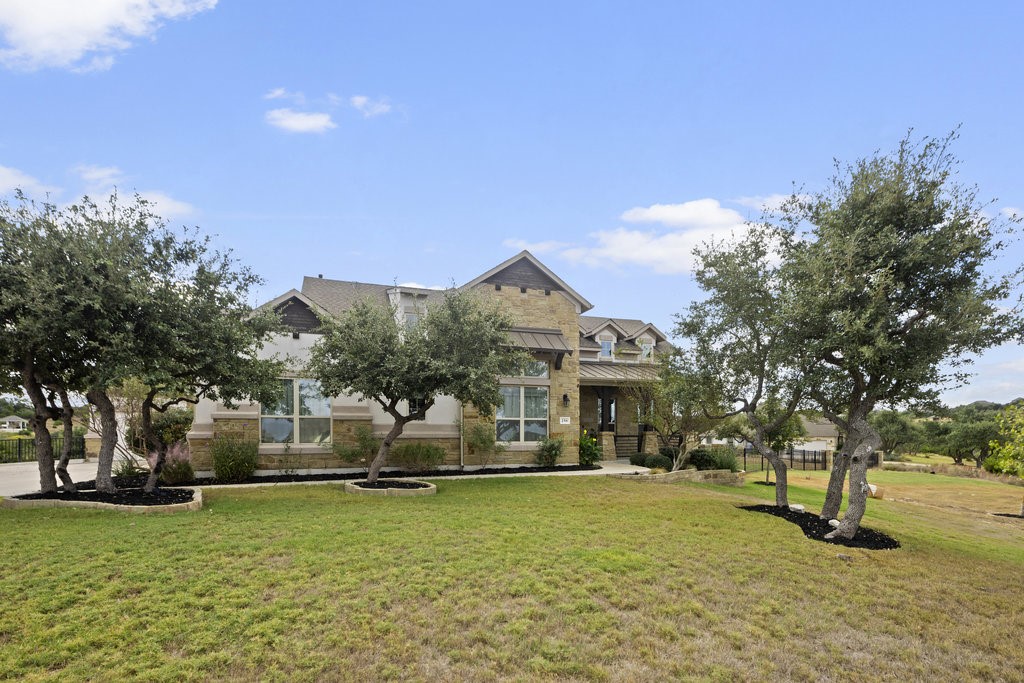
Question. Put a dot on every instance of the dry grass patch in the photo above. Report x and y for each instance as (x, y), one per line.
(573, 578)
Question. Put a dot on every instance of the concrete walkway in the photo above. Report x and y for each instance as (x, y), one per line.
(23, 477)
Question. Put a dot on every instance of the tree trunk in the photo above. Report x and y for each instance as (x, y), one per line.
(153, 443)
(778, 465)
(385, 448)
(67, 413)
(868, 442)
(836, 481)
(40, 418)
(108, 439)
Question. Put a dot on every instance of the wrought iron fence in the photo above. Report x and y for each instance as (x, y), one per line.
(795, 459)
(24, 450)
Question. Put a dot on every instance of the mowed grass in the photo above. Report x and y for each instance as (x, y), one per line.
(569, 578)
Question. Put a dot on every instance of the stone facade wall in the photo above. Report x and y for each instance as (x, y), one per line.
(534, 308)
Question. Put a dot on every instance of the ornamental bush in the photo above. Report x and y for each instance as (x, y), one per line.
(590, 449)
(702, 459)
(658, 462)
(548, 452)
(417, 457)
(638, 459)
(177, 465)
(362, 452)
(234, 459)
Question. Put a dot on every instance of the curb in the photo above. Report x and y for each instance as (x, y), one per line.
(428, 490)
(195, 504)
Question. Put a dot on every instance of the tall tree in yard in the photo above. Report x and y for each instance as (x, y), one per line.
(893, 290)
(459, 349)
(202, 339)
(96, 294)
(745, 341)
(675, 405)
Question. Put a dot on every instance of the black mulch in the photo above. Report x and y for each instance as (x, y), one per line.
(138, 481)
(1007, 514)
(125, 496)
(391, 484)
(815, 529)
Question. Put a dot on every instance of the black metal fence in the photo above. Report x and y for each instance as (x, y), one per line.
(795, 459)
(24, 450)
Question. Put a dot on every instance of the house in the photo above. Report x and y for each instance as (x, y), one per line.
(580, 364)
(13, 423)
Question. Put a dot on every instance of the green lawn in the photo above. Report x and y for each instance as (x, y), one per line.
(582, 578)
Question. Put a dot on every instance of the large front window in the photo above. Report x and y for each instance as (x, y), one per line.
(523, 414)
(301, 414)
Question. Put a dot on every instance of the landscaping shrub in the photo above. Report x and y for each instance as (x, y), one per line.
(702, 459)
(725, 459)
(658, 462)
(590, 449)
(234, 460)
(548, 451)
(127, 466)
(177, 465)
(482, 440)
(417, 457)
(638, 459)
(667, 451)
(363, 451)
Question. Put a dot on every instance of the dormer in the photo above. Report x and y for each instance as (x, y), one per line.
(620, 340)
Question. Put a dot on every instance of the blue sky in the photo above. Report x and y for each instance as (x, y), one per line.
(427, 142)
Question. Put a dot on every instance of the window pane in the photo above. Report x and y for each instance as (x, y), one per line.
(606, 348)
(537, 368)
(285, 404)
(508, 430)
(315, 430)
(535, 430)
(311, 402)
(510, 407)
(536, 399)
(277, 430)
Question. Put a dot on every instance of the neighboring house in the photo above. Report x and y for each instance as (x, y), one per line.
(13, 423)
(580, 364)
(821, 435)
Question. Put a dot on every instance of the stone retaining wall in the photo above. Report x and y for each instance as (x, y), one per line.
(724, 477)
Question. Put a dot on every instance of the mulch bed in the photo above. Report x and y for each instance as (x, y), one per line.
(138, 481)
(1007, 514)
(815, 528)
(123, 496)
(391, 484)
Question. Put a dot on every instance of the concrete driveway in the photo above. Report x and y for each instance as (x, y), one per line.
(23, 477)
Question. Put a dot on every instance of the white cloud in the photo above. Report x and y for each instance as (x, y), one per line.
(769, 202)
(694, 223)
(101, 181)
(166, 206)
(98, 178)
(416, 285)
(82, 35)
(370, 108)
(299, 121)
(699, 213)
(276, 94)
(535, 247)
(1011, 212)
(12, 179)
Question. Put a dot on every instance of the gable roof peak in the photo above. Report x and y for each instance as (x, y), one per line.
(526, 258)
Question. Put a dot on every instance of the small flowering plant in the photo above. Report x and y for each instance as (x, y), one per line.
(590, 449)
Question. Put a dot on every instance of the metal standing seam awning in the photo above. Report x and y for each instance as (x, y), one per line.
(606, 374)
(541, 340)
